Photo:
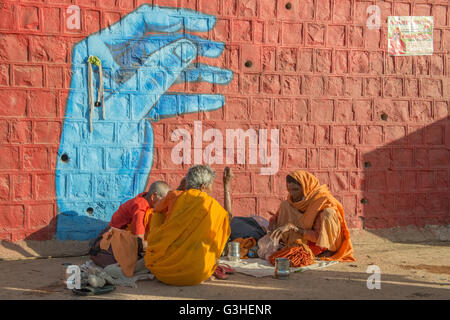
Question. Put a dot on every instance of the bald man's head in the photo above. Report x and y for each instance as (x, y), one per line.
(157, 191)
(160, 187)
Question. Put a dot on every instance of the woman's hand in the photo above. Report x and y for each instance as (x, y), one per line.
(278, 233)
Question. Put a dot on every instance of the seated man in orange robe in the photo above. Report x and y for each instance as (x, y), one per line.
(314, 216)
(188, 231)
(134, 215)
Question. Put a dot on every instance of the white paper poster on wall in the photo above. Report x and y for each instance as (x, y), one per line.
(410, 35)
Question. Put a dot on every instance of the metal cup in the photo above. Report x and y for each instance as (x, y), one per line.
(234, 251)
(282, 268)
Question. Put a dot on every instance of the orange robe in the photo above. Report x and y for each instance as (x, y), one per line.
(184, 248)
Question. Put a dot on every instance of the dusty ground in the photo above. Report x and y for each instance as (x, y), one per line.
(408, 271)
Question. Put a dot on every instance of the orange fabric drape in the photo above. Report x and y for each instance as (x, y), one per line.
(316, 250)
(318, 198)
(147, 220)
(125, 247)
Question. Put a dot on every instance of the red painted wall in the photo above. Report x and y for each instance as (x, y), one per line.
(318, 74)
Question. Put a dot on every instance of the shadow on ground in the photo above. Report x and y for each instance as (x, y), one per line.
(38, 244)
(320, 284)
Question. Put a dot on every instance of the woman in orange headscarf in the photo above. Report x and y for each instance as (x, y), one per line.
(314, 216)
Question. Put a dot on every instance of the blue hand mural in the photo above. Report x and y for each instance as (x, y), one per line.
(142, 55)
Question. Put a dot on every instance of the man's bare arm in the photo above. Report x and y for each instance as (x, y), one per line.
(227, 177)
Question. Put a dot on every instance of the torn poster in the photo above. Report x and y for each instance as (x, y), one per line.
(410, 35)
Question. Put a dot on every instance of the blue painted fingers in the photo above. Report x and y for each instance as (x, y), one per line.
(142, 56)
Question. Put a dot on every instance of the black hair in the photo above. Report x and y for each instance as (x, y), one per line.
(290, 179)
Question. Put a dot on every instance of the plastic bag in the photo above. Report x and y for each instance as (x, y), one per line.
(266, 247)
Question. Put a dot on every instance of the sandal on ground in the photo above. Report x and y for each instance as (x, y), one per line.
(219, 274)
(225, 268)
(91, 291)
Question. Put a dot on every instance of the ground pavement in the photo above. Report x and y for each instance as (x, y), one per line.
(408, 271)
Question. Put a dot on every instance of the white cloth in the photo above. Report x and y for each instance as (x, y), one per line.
(262, 268)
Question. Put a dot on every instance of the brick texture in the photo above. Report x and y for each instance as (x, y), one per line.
(368, 125)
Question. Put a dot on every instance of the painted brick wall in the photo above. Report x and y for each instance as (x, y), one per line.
(318, 74)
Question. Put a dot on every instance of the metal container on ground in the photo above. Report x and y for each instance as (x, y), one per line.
(282, 268)
(234, 251)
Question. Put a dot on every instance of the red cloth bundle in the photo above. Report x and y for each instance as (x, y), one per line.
(299, 256)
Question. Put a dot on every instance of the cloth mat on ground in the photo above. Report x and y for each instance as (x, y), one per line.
(113, 273)
(262, 268)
